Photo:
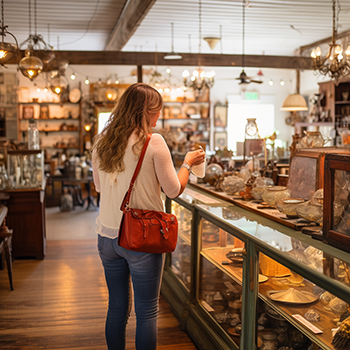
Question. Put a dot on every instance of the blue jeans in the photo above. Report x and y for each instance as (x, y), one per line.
(145, 270)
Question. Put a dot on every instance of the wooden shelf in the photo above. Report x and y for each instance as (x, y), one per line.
(47, 103)
(342, 102)
(56, 119)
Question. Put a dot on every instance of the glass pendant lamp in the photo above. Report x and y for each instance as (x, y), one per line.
(7, 50)
(30, 65)
(58, 84)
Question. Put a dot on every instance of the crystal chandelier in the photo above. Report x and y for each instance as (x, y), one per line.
(334, 64)
(7, 50)
(37, 52)
(200, 79)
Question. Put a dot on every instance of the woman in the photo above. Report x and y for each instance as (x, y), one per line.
(115, 155)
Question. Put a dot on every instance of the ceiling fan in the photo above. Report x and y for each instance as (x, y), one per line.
(243, 78)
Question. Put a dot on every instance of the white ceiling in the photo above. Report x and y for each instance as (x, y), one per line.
(268, 24)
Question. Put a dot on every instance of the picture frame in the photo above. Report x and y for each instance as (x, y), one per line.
(28, 112)
(44, 112)
(220, 116)
(220, 139)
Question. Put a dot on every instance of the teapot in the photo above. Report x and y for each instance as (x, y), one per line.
(314, 139)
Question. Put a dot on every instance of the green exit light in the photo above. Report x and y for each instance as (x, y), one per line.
(251, 96)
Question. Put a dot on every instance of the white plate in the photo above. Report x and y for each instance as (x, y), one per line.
(74, 95)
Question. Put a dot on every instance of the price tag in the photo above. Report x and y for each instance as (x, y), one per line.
(307, 324)
(207, 306)
(201, 197)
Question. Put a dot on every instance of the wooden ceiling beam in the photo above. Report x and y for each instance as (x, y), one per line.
(131, 17)
(323, 41)
(207, 60)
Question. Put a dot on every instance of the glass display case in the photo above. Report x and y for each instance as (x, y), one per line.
(336, 229)
(25, 169)
(256, 284)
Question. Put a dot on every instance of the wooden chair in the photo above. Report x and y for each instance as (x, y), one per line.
(6, 242)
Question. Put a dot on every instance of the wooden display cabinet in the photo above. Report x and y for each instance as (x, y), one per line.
(306, 172)
(336, 230)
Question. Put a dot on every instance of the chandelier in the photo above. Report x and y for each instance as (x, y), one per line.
(334, 64)
(7, 50)
(37, 51)
(200, 78)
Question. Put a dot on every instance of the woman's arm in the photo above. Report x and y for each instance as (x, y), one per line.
(172, 184)
(95, 172)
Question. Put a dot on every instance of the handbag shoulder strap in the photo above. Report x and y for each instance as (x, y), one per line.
(126, 200)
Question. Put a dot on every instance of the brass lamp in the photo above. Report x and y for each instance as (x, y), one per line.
(294, 103)
(7, 50)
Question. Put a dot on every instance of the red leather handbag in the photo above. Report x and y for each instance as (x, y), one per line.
(146, 231)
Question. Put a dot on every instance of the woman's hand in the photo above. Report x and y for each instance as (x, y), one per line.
(195, 157)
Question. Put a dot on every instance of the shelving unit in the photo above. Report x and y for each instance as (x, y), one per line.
(203, 270)
(57, 115)
(337, 102)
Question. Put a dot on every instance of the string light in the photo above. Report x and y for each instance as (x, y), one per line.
(168, 70)
(72, 76)
(282, 82)
(87, 82)
(46, 89)
(271, 82)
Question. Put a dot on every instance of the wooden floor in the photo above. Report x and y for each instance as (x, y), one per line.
(61, 301)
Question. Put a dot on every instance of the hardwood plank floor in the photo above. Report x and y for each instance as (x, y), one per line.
(61, 302)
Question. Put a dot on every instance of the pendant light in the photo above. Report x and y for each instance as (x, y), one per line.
(31, 65)
(172, 55)
(7, 50)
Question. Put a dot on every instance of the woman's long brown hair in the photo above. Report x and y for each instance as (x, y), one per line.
(132, 113)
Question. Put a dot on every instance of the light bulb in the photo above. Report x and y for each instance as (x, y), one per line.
(338, 50)
(46, 89)
(99, 81)
(57, 90)
(318, 51)
(340, 57)
(87, 81)
(195, 73)
(282, 82)
(87, 127)
(347, 52)
(160, 91)
(117, 81)
(270, 82)
(193, 78)
(185, 73)
(72, 76)
(168, 70)
(38, 89)
(109, 96)
(166, 90)
(202, 75)
(313, 53)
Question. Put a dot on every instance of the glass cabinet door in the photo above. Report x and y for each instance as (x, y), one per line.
(181, 257)
(220, 277)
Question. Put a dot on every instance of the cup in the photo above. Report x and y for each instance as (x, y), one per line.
(199, 170)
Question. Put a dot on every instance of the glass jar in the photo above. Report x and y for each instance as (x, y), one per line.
(259, 186)
(232, 184)
(33, 135)
(273, 194)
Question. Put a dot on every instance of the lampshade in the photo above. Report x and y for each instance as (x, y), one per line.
(212, 41)
(7, 51)
(294, 102)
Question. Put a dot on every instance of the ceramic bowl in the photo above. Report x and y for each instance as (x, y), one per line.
(288, 206)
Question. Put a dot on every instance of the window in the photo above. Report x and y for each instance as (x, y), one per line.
(102, 120)
(240, 110)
